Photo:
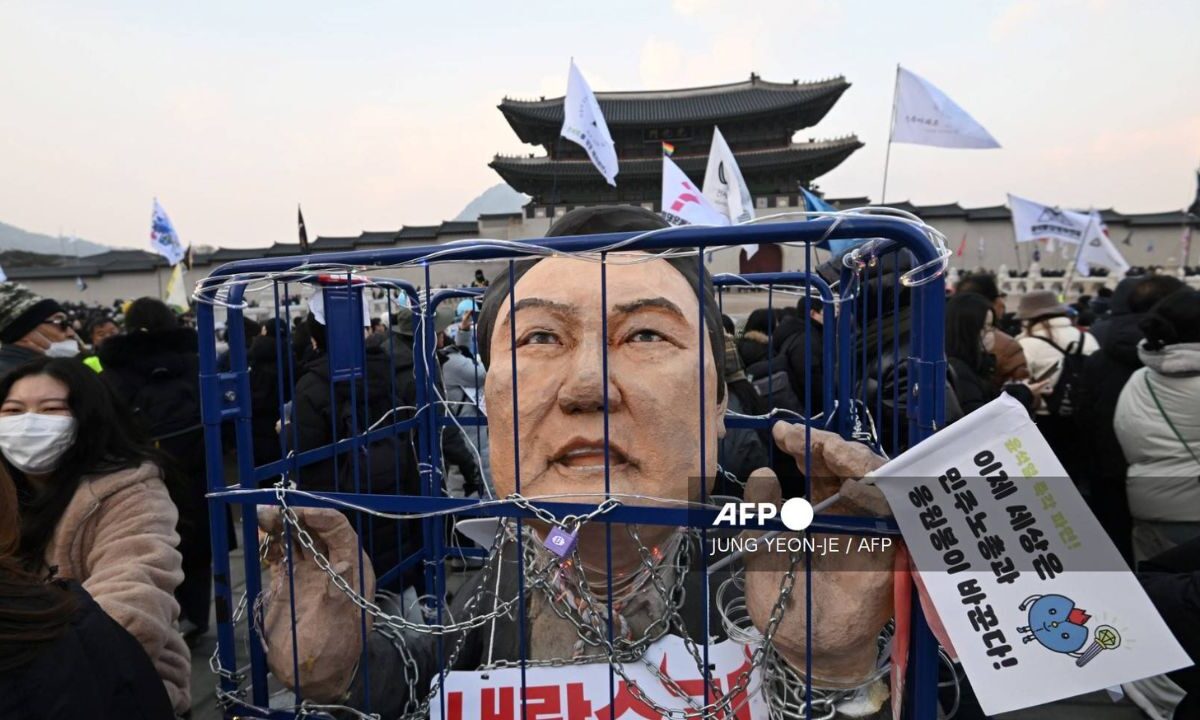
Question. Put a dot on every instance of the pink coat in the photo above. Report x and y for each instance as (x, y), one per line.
(117, 537)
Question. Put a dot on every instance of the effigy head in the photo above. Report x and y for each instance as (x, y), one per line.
(547, 418)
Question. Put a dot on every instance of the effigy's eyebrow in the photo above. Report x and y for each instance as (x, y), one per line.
(660, 303)
(552, 306)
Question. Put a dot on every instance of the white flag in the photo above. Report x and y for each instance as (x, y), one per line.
(583, 124)
(1034, 221)
(682, 201)
(163, 238)
(925, 116)
(724, 184)
(1099, 250)
(3, 276)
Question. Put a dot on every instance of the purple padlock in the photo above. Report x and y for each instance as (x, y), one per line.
(560, 542)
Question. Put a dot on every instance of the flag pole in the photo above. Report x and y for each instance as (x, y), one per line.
(887, 158)
(557, 150)
(1087, 232)
(1017, 247)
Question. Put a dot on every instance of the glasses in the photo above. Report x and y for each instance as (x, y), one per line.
(60, 323)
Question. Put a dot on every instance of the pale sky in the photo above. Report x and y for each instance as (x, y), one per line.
(379, 114)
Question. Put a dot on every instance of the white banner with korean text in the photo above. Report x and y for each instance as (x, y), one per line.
(1036, 600)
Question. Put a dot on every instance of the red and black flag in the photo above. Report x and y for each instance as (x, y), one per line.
(303, 230)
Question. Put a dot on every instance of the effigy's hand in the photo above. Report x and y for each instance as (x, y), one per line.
(851, 589)
(328, 631)
(832, 457)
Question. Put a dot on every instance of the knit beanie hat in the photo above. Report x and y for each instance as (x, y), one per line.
(22, 310)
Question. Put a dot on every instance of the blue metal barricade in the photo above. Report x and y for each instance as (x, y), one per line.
(853, 310)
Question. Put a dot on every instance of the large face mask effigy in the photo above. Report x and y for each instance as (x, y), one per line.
(655, 423)
(654, 414)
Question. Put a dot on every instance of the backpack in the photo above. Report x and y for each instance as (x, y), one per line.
(1065, 399)
(776, 389)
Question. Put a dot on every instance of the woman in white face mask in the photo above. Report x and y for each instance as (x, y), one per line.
(94, 507)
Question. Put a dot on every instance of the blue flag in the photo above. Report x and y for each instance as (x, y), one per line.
(812, 203)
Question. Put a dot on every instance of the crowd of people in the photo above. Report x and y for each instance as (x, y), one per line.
(105, 547)
(105, 553)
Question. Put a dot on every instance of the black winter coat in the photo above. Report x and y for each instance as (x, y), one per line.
(1104, 375)
(95, 670)
(974, 389)
(1172, 581)
(264, 396)
(388, 466)
(787, 354)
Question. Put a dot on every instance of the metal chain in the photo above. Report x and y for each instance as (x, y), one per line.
(569, 523)
(369, 606)
(617, 655)
(617, 658)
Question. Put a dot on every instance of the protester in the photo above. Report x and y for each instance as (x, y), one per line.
(263, 356)
(1172, 581)
(480, 281)
(885, 341)
(462, 381)
(754, 342)
(1055, 350)
(322, 415)
(1158, 425)
(61, 656)
(1105, 373)
(1082, 311)
(250, 330)
(155, 369)
(742, 450)
(93, 505)
(970, 356)
(99, 329)
(792, 370)
(1010, 358)
(32, 327)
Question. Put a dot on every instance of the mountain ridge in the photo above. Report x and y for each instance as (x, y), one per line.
(15, 238)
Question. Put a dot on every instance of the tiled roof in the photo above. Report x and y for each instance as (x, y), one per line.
(991, 212)
(692, 105)
(382, 237)
(694, 166)
(1175, 217)
(458, 227)
(418, 232)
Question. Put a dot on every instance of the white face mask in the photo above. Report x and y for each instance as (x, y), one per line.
(63, 349)
(35, 443)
